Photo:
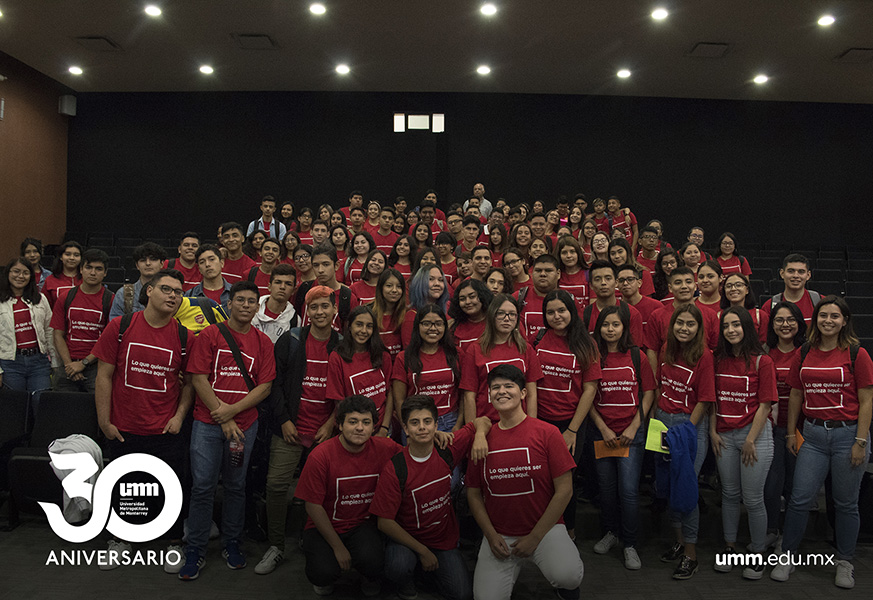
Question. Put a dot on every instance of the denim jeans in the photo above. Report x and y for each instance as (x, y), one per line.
(780, 480)
(739, 481)
(452, 578)
(619, 480)
(689, 522)
(823, 451)
(27, 373)
(210, 457)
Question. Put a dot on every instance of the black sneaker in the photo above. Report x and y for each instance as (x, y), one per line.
(674, 553)
(686, 568)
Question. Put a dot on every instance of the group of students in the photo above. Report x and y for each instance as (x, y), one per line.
(514, 368)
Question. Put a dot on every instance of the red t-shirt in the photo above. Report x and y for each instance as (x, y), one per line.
(517, 477)
(214, 295)
(212, 356)
(55, 284)
(407, 326)
(531, 318)
(560, 389)
(714, 308)
(435, 379)
(577, 286)
(237, 270)
(145, 385)
(739, 390)
(830, 388)
(305, 237)
(618, 394)
(25, 334)
(683, 386)
(733, 265)
(262, 280)
(405, 270)
(344, 482)
(354, 272)
(424, 507)
(636, 324)
(474, 377)
(385, 242)
(364, 292)
(805, 305)
(646, 306)
(390, 334)
(620, 222)
(359, 377)
(782, 362)
(602, 223)
(314, 408)
(450, 272)
(517, 286)
(370, 227)
(192, 276)
(83, 323)
(659, 322)
(648, 263)
(468, 332)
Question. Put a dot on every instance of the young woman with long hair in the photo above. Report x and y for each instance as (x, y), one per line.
(389, 308)
(324, 212)
(729, 257)
(302, 261)
(467, 311)
(430, 365)
(252, 245)
(687, 390)
(65, 271)
(400, 226)
(359, 248)
(618, 417)
(588, 230)
(402, 254)
(668, 259)
(365, 288)
(286, 215)
(786, 333)
(498, 281)
(338, 218)
(515, 264)
(738, 292)
(741, 437)
(574, 275)
(540, 246)
(574, 221)
(709, 278)
(31, 250)
(289, 244)
(445, 246)
(339, 238)
(600, 246)
(498, 242)
(831, 383)
(304, 225)
(26, 347)
(426, 256)
(371, 223)
(692, 256)
(361, 365)
(620, 254)
(423, 235)
(520, 238)
(569, 361)
(428, 286)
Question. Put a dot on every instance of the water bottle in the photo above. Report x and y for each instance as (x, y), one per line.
(237, 453)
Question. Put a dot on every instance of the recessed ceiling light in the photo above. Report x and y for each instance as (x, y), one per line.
(152, 10)
(659, 14)
(489, 10)
(317, 9)
(1, 13)
(624, 73)
(75, 70)
(343, 69)
(206, 70)
(826, 21)
(483, 70)
(759, 79)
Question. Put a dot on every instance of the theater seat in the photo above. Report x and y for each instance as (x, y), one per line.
(859, 275)
(827, 288)
(859, 288)
(860, 305)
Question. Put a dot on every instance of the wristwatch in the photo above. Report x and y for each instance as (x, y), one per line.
(85, 362)
(861, 442)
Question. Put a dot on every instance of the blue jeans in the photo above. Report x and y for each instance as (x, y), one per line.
(823, 451)
(739, 481)
(452, 578)
(780, 480)
(27, 373)
(210, 457)
(619, 480)
(689, 522)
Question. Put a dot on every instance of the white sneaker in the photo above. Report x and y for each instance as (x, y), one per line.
(781, 572)
(322, 590)
(632, 559)
(174, 558)
(845, 575)
(606, 543)
(268, 563)
(113, 559)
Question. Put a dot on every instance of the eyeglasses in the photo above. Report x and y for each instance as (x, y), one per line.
(627, 279)
(510, 263)
(170, 291)
(734, 286)
(502, 315)
(18, 273)
(303, 256)
(784, 321)
(432, 324)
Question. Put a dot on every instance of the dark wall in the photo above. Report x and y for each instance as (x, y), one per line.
(782, 172)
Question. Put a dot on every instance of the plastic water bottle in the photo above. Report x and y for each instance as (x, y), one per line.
(237, 453)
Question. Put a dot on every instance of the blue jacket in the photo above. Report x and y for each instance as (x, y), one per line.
(676, 478)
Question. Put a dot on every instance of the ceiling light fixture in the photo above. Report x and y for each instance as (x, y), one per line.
(206, 70)
(624, 73)
(343, 69)
(317, 9)
(826, 21)
(759, 79)
(483, 70)
(75, 70)
(152, 10)
(489, 10)
(659, 14)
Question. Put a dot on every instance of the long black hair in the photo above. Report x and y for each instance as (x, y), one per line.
(31, 290)
(624, 342)
(411, 354)
(578, 338)
(58, 266)
(659, 279)
(749, 346)
(485, 296)
(374, 347)
(799, 337)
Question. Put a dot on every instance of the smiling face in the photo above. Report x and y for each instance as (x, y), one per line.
(505, 395)
(618, 255)
(361, 246)
(691, 256)
(232, 240)
(732, 328)
(795, 275)
(71, 259)
(402, 248)
(506, 318)
(392, 290)
(270, 252)
(707, 280)
(19, 277)
(785, 325)
(361, 329)
(431, 329)
(321, 312)
(727, 246)
(735, 289)
(538, 248)
(830, 322)
(436, 285)
(469, 302)
(188, 248)
(376, 265)
(685, 328)
(287, 211)
(373, 211)
(244, 306)
(682, 287)
(523, 236)
(481, 262)
(600, 242)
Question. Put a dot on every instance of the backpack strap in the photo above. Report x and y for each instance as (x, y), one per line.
(125, 323)
(402, 470)
(853, 354)
(253, 272)
(776, 299)
(586, 314)
(758, 363)
(171, 264)
(237, 356)
(68, 302)
(540, 335)
(804, 350)
(183, 339)
(107, 303)
(345, 303)
(522, 294)
(814, 296)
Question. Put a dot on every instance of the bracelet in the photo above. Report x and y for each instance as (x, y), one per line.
(571, 431)
(857, 439)
(383, 427)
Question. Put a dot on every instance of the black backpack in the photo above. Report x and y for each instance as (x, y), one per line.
(107, 303)
(402, 470)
